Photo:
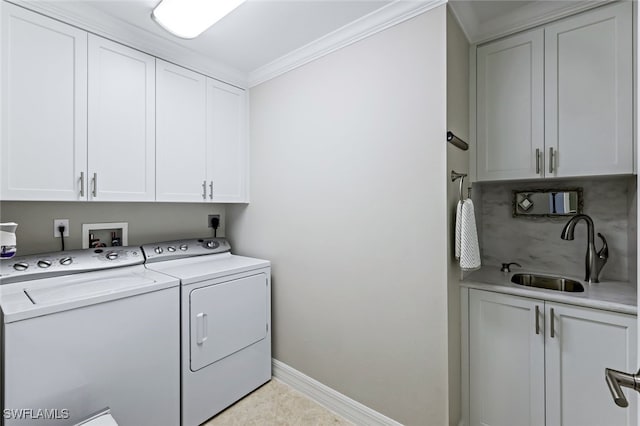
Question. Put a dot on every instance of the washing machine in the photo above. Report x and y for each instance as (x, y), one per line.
(87, 329)
(225, 322)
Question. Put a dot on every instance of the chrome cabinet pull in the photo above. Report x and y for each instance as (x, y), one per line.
(94, 192)
(537, 161)
(211, 190)
(553, 324)
(204, 189)
(551, 160)
(82, 184)
(537, 319)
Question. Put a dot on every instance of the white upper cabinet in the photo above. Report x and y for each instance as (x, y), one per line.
(121, 150)
(181, 134)
(557, 101)
(201, 153)
(510, 89)
(44, 108)
(589, 93)
(226, 142)
(85, 118)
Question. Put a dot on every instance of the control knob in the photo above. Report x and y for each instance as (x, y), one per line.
(158, 250)
(20, 266)
(184, 247)
(212, 244)
(44, 263)
(112, 255)
(171, 249)
(66, 261)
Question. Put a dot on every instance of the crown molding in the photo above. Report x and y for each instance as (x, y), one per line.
(376, 21)
(85, 17)
(532, 15)
(528, 16)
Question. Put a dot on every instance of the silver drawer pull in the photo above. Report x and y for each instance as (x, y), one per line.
(95, 185)
(82, 184)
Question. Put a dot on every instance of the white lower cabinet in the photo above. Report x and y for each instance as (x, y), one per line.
(534, 362)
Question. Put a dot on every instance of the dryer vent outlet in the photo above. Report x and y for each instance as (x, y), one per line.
(213, 218)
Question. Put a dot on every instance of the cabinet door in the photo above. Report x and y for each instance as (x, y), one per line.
(510, 116)
(584, 342)
(181, 164)
(506, 352)
(121, 150)
(588, 98)
(44, 107)
(226, 142)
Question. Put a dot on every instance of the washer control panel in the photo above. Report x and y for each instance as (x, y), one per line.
(170, 250)
(24, 268)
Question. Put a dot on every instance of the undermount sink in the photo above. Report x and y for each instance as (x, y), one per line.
(548, 282)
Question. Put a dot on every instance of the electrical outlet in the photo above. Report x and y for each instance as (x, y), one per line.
(59, 222)
(211, 216)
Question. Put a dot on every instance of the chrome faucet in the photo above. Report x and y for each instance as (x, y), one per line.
(594, 260)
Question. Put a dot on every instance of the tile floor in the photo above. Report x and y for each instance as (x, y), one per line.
(276, 404)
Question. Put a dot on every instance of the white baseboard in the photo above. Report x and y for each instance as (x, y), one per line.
(331, 399)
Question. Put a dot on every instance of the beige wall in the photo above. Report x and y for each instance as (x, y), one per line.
(148, 222)
(348, 185)
(458, 160)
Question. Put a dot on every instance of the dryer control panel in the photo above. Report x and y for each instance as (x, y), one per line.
(45, 265)
(178, 249)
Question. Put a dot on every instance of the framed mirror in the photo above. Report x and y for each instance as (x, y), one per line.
(547, 202)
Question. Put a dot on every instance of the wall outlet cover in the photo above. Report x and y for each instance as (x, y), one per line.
(57, 223)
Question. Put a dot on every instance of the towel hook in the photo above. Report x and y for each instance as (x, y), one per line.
(455, 176)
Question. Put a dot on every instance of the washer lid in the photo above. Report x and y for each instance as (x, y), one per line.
(81, 289)
(29, 299)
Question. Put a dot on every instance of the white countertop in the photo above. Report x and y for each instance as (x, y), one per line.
(618, 296)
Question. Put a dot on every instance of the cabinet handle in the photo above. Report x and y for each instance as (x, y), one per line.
(537, 319)
(551, 160)
(537, 161)
(94, 192)
(204, 189)
(211, 190)
(553, 324)
(82, 184)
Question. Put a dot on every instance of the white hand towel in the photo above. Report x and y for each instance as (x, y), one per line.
(458, 228)
(469, 247)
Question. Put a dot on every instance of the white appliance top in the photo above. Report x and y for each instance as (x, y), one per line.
(28, 299)
(204, 259)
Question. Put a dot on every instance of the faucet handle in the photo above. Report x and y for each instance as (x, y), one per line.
(604, 251)
(506, 266)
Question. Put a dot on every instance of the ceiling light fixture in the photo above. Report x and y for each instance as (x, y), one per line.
(190, 18)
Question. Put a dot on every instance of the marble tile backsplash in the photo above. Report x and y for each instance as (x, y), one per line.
(535, 243)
